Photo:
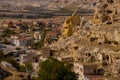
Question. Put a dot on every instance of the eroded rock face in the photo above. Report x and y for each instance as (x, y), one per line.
(117, 66)
(69, 24)
(105, 12)
(67, 29)
(91, 42)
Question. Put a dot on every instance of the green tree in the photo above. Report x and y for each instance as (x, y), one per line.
(7, 32)
(43, 35)
(52, 69)
(29, 70)
(40, 43)
(10, 24)
(1, 55)
(22, 69)
(28, 67)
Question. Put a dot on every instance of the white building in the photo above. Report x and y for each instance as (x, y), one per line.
(37, 36)
(22, 41)
(35, 66)
(66, 59)
(79, 70)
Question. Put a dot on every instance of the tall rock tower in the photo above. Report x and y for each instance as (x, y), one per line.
(70, 23)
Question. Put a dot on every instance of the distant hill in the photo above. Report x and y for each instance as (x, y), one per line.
(46, 4)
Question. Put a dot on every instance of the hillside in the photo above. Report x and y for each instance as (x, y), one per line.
(46, 4)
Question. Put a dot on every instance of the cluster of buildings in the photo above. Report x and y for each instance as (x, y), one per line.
(30, 31)
(21, 44)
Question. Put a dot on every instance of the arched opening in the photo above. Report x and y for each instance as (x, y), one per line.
(107, 57)
(95, 71)
(100, 43)
(89, 54)
(76, 47)
(104, 63)
(93, 59)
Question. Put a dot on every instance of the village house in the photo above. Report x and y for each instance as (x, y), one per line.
(77, 67)
(66, 59)
(51, 36)
(22, 41)
(90, 69)
(1, 31)
(22, 26)
(45, 53)
(34, 22)
(37, 36)
(35, 57)
(35, 68)
(79, 70)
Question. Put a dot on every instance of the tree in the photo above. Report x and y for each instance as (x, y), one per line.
(10, 24)
(52, 69)
(28, 67)
(40, 43)
(22, 68)
(43, 35)
(7, 32)
(1, 55)
(13, 62)
(29, 70)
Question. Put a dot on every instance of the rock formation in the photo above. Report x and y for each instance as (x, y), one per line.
(69, 24)
(96, 42)
(105, 12)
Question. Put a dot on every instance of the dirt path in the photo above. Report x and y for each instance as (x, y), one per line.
(15, 74)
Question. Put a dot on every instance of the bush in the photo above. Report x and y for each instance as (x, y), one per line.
(53, 69)
(22, 69)
(1, 55)
(7, 32)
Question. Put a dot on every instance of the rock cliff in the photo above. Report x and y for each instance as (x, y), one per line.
(94, 43)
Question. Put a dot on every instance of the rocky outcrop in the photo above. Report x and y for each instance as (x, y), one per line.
(94, 43)
(106, 12)
(69, 24)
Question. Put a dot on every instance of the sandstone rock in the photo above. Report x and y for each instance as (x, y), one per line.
(70, 23)
(92, 43)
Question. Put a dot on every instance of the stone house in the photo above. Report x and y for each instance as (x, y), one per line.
(22, 41)
(90, 69)
(5, 24)
(79, 70)
(93, 69)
